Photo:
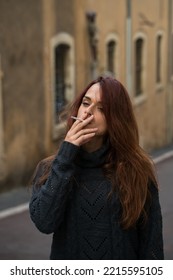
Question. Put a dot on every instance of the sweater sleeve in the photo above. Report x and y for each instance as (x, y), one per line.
(150, 234)
(48, 203)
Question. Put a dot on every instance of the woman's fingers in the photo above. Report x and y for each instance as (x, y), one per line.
(85, 131)
(84, 138)
(78, 134)
(78, 124)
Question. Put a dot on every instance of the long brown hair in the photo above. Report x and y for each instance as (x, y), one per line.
(128, 166)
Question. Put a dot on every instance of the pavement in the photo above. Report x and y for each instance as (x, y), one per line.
(14, 198)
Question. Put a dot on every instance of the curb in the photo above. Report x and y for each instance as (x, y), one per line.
(14, 210)
(163, 157)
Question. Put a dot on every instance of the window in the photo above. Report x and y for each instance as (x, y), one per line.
(158, 58)
(61, 58)
(111, 48)
(63, 77)
(139, 45)
(112, 55)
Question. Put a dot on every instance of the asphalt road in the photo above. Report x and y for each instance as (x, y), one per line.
(19, 239)
(165, 176)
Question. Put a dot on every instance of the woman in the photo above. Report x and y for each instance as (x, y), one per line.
(98, 195)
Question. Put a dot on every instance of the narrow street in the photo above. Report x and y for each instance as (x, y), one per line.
(21, 240)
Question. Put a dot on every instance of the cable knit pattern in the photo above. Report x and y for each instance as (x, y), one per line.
(74, 206)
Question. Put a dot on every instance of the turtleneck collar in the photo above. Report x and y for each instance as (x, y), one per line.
(94, 159)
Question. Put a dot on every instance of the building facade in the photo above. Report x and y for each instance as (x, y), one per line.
(50, 50)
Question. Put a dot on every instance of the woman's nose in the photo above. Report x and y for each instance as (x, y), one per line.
(89, 110)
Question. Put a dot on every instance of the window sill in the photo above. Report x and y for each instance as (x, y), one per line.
(159, 87)
(58, 130)
(140, 99)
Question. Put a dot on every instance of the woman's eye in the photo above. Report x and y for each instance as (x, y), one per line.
(85, 103)
(100, 108)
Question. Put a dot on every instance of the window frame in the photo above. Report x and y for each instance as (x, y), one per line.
(139, 99)
(159, 42)
(160, 84)
(66, 39)
(112, 37)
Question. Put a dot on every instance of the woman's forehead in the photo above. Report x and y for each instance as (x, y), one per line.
(94, 93)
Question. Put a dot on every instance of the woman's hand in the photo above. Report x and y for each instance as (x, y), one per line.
(78, 134)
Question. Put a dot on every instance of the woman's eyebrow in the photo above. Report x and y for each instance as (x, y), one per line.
(88, 98)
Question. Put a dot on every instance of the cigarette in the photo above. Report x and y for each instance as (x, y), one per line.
(75, 118)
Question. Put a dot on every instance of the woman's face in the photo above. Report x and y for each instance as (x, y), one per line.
(92, 105)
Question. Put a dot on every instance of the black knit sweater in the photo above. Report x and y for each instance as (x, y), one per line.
(74, 206)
